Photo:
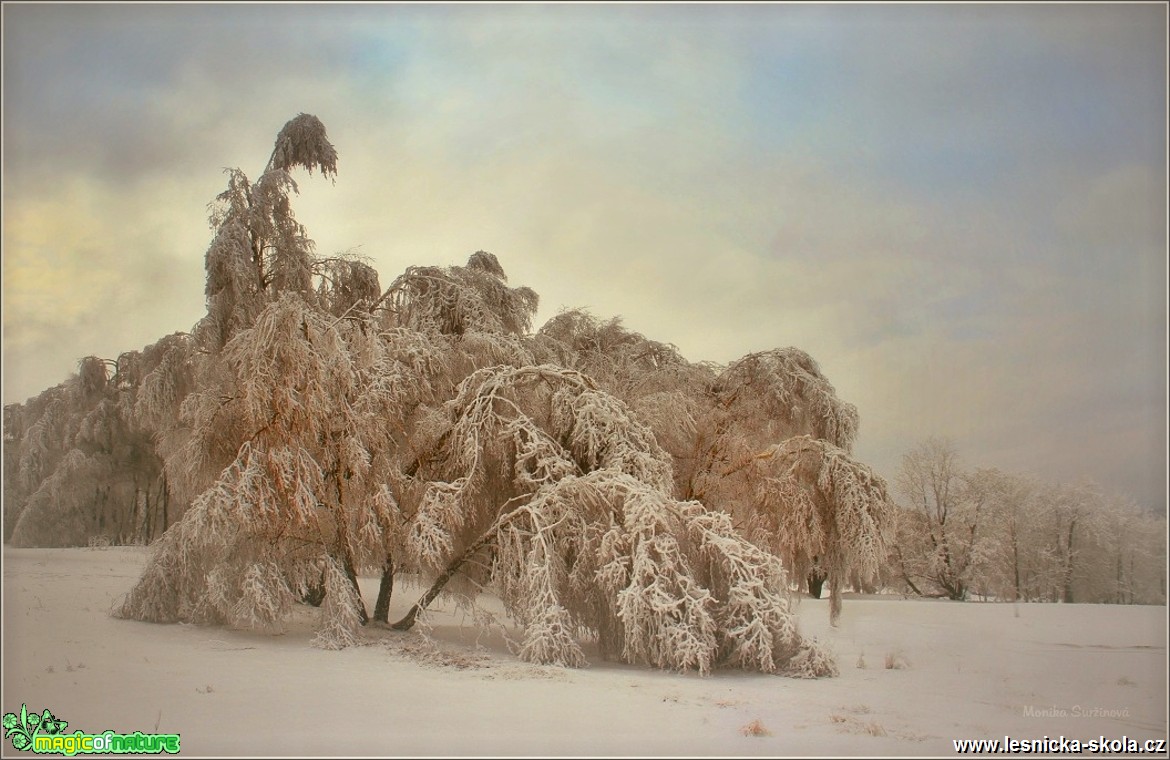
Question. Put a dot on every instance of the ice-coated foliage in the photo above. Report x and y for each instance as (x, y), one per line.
(348, 286)
(296, 429)
(669, 394)
(752, 442)
(509, 431)
(227, 561)
(624, 362)
(80, 463)
(58, 513)
(303, 142)
(161, 372)
(568, 494)
(313, 427)
(458, 300)
(814, 506)
(784, 390)
(259, 249)
(661, 582)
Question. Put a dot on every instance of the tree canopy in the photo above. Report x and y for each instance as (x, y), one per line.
(313, 427)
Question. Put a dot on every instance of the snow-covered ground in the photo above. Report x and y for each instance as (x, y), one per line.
(970, 670)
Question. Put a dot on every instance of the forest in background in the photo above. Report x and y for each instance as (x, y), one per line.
(314, 426)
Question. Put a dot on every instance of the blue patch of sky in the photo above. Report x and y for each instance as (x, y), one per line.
(949, 129)
(789, 94)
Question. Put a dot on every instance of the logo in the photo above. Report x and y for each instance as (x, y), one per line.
(44, 733)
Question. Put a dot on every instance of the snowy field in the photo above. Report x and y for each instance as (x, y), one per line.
(955, 671)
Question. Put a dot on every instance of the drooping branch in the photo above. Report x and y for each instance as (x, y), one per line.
(407, 621)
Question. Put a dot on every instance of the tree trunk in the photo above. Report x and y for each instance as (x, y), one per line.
(147, 523)
(905, 572)
(1119, 592)
(834, 599)
(1132, 586)
(351, 573)
(1016, 568)
(166, 501)
(1068, 566)
(347, 555)
(127, 521)
(315, 594)
(816, 580)
(408, 621)
(385, 589)
(101, 510)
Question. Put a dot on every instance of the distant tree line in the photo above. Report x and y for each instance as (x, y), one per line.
(983, 533)
(81, 460)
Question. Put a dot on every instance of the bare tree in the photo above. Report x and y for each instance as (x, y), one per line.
(949, 516)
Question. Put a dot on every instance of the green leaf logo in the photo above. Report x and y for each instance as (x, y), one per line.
(52, 725)
(22, 729)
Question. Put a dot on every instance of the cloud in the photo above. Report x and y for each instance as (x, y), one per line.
(95, 272)
(958, 211)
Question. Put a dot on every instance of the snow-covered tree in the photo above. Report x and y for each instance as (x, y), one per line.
(624, 362)
(1010, 556)
(82, 466)
(762, 400)
(783, 393)
(1013, 537)
(14, 496)
(658, 581)
(673, 396)
(818, 509)
(940, 544)
(38, 433)
(1121, 552)
(458, 300)
(773, 450)
(259, 248)
(508, 432)
(302, 409)
(1071, 518)
(313, 427)
(723, 428)
(563, 498)
(278, 439)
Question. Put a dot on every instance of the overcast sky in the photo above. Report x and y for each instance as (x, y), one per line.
(959, 211)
